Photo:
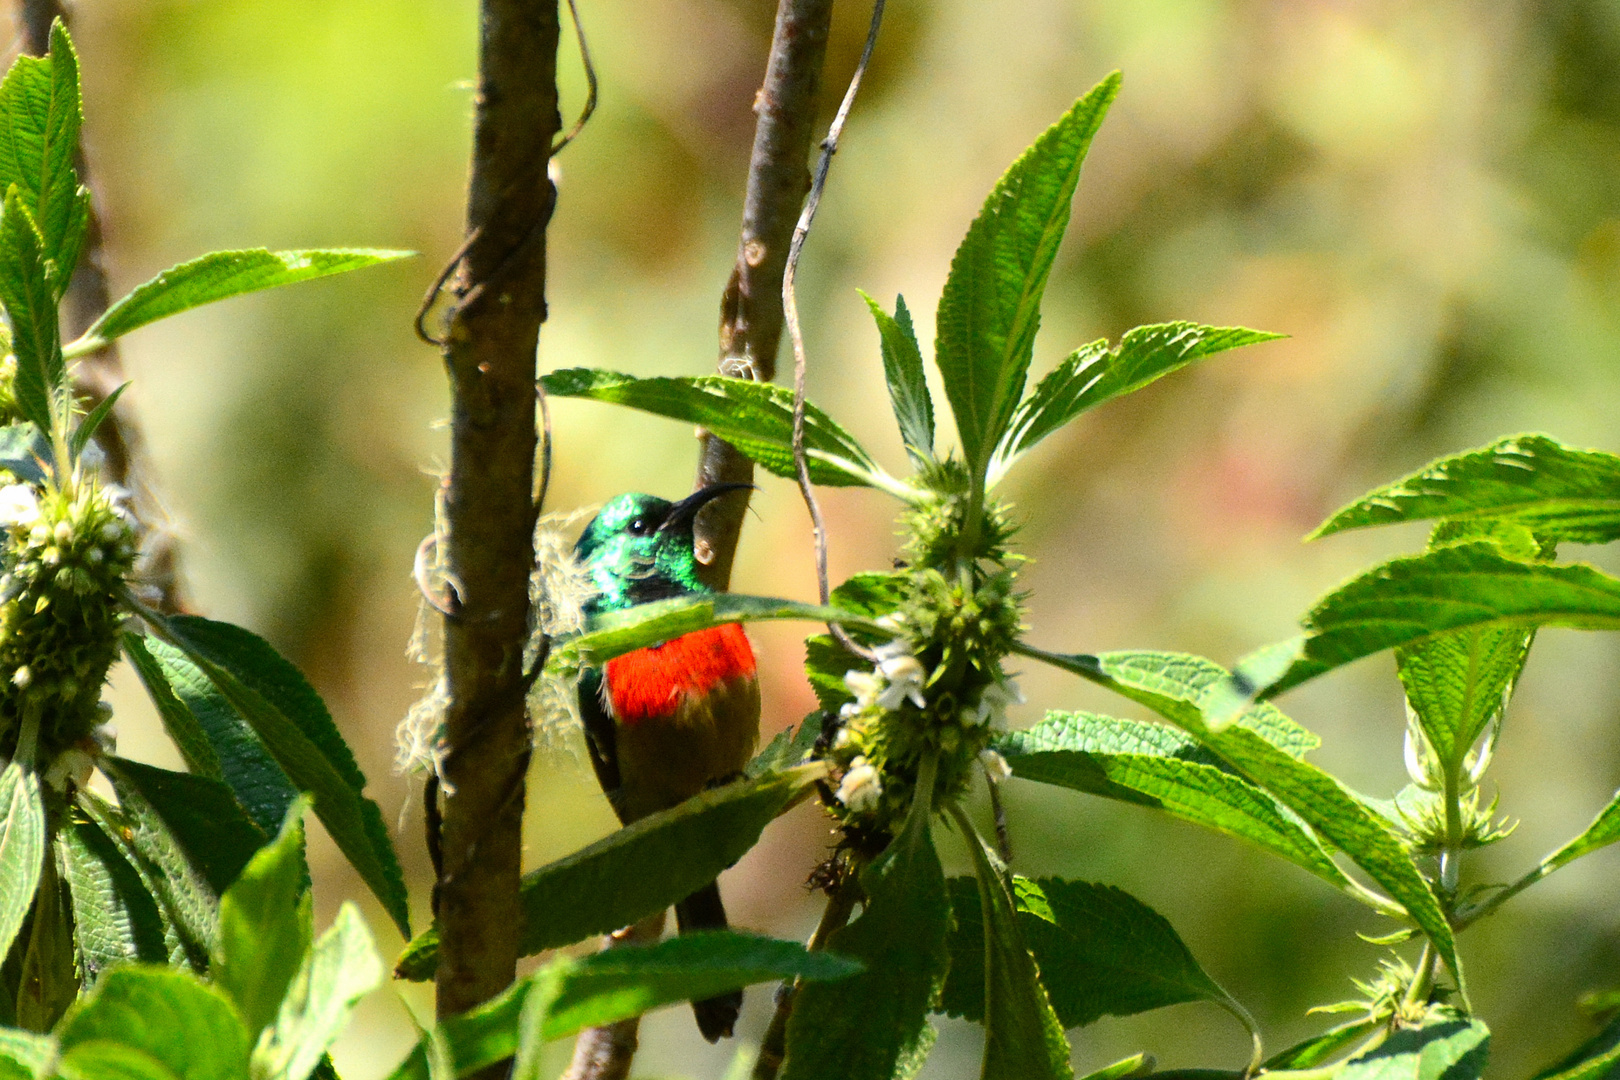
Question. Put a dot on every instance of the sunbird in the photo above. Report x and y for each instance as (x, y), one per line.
(666, 722)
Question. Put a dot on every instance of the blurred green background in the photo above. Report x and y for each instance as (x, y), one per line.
(1425, 197)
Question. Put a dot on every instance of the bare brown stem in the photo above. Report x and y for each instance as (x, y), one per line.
(605, 1053)
(101, 372)
(492, 329)
(841, 900)
(751, 308)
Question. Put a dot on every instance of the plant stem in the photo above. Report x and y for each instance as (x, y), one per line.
(492, 331)
(751, 307)
(834, 917)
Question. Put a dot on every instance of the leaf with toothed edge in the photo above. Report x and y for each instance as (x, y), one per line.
(908, 386)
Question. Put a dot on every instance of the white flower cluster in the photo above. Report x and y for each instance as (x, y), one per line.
(862, 788)
(993, 702)
(899, 677)
(19, 506)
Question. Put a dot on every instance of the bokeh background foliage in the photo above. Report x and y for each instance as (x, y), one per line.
(1425, 196)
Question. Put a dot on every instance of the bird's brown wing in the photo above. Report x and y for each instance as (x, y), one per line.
(601, 737)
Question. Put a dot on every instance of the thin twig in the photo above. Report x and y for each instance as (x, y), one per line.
(790, 313)
(590, 81)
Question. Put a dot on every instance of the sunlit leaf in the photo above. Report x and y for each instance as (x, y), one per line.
(22, 846)
(264, 926)
(220, 275)
(115, 920)
(990, 308)
(1556, 491)
(184, 1025)
(756, 418)
(1095, 373)
(40, 384)
(1157, 766)
(341, 968)
(1446, 1046)
(908, 386)
(1180, 689)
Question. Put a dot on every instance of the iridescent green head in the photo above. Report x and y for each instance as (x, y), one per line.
(638, 548)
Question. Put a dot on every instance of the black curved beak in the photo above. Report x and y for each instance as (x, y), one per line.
(683, 513)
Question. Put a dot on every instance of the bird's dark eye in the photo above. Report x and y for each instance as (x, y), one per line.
(638, 526)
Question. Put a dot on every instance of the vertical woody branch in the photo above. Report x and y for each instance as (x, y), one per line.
(492, 328)
(751, 309)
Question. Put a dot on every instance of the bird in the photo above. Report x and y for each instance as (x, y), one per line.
(671, 720)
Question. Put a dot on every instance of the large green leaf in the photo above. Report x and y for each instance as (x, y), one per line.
(187, 901)
(908, 385)
(641, 869)
(1095, 373)
(218, 276)
(756, 418)
(22, 845)
(991, 305)
(615, 633)
(619, 983)
(1023, 1036)
(1157, 766)
(115, 920)
(288, 716)
(30, 304)
(867, 1026)
(201, 814)
(1466, 586)
(1446, 1046)
(1456, 683)
(342, 968)
(1101, 952)
(186, 1026)
(39, 101)
(1179, 689)
(23, 1054)
(1558, 492)
(211, 735)
(264, 926)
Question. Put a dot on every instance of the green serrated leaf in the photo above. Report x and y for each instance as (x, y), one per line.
(870, 1026)
(619, 983)
(23, 1054)
(1101, 952)
(30, 304)
(1156, 766)
(23, 451)
(1094, 374)
(288, 716)
(1023, 1036)
(990, 308)
(787, 750)
(264, 926)
(220, 275)
(341, 968)
(213, 738)
(50, 980)
(1181, 688)
(1604, 830)
(39, 100)
(1324, 1047)
(201, 814)
(1598, 1058)
(93, 420)
(756, 418)
(615, 633)
(1446, 1046)
(1457, 683)
(188, 902)
(641, 869)
(185, 1026)
(22, 845)
(1556, 491)
(908, 385)
(115, 920)
(1461, 587)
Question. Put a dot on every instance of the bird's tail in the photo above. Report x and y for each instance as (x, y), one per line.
(703, 911)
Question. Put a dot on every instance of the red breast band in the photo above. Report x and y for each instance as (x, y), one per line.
(651, 683)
